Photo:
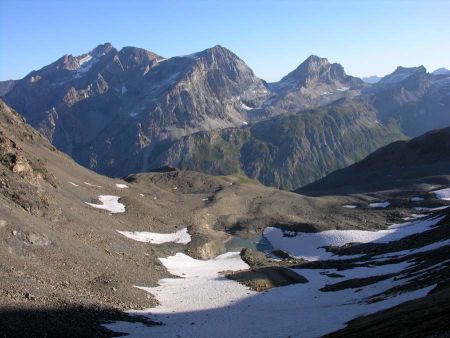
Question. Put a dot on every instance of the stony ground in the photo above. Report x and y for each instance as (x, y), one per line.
(63, 266)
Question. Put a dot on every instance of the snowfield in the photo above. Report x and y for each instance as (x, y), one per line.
(204, 304)
(200, 302)
(310, 246)
(109, 203)
(121, 186)
(442, 194)
(181, 236)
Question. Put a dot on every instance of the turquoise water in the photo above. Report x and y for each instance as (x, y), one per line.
(256, 242)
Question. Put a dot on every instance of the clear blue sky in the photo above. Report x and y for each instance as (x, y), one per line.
(272, 36)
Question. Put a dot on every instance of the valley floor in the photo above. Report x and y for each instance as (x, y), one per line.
(340, 286)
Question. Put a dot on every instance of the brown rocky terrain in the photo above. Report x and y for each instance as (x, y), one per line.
(64, 261)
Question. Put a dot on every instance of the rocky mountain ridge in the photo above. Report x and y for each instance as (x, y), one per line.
(400, 165)
(116, 112)
(286, 151)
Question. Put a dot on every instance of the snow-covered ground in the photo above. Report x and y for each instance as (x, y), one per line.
(204, 304)
(310, 246)
(200, 302)
(443, 194)
(181, 236)
(109, 203)
(121, 186)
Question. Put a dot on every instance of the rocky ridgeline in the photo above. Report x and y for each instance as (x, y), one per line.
(124, 111)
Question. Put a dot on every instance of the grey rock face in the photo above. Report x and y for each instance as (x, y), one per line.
(285, 151)
(119, 112)
(109, 108)
(416, 100)
(6, 86)
(316, 82)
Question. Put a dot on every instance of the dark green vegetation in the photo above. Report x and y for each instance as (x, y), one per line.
(402, 164)
(286, 151)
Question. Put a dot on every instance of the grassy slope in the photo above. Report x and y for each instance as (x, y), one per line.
(287, 151)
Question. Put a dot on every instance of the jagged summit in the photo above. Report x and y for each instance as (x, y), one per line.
(106, 104)
(316, 70)
(402, 73)
(70, 62)
(137, 94)
(102, 48)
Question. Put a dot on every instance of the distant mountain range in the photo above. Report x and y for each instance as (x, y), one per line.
(441, 71)
(130, 110)
(371, 79)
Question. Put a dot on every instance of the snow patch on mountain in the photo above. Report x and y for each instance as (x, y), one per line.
(245, 107)
(109, 203)
(380, 204)
(84, 59)
(350, 206)
(181, 236)
(442, 194)
(311, 246)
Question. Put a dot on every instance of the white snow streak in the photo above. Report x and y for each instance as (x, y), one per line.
(350, 206)
(380, 205)
(181, 236)
(92, 185)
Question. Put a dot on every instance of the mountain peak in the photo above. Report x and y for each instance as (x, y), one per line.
(101, 49)
(314, 70)
(401, 69)
(137, 55)
(216, 50)
(402, 73)
(218, 47)
(441, 71)
(314, 58)
(70, 62)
